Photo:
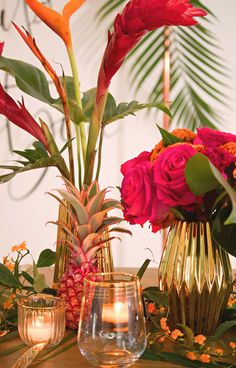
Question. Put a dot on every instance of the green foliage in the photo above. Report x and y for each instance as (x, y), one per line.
(154, 294)
(36, 158)
(168, 138)
(223, 327)
(7, 278)
(197, 71)
(114, 112)
(33, 82)
(143, 268)
(46, 258)
(202, 177)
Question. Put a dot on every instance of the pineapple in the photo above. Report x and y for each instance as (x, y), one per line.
(87, 210)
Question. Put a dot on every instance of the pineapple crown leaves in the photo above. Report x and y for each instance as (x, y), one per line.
(87, 212)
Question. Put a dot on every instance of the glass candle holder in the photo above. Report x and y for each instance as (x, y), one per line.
(41, 319)
(112, 326)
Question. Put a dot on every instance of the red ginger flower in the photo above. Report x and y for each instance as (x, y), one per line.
(1, 47)
(18, 115)
(138, 18)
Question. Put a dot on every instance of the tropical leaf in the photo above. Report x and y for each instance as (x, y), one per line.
(198, 74)
(7, 278)
(33, 82)
(36, 158)
(114, 112)
(46, 258)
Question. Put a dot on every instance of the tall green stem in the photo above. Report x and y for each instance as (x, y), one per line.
(80, 133)
(94, 131)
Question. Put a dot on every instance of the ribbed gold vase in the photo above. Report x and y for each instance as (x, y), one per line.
(104, 257)
(197, 274)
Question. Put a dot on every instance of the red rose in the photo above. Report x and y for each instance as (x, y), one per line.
(213, 138)
(138, 190)
(172, 188)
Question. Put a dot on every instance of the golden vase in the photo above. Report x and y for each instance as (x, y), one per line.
(104, 257)
(197, 274)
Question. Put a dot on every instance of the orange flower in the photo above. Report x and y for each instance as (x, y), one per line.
(9, 264)
(175, 334)
(229, 147)
(199, 339)
(151, 308)
(185, 134)
(191, 355)
(17, 248)
(205, 358)
(232, 344)
(8, 304)
(219, 351)
(59, 23)
(161, 339)
(163, 323)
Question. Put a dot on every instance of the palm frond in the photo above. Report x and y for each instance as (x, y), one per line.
(199, 76)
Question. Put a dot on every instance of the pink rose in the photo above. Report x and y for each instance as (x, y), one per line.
(213, 138)
(172, 188)
(220, 158)
(161, 216)
(130, 164)
(138, 190)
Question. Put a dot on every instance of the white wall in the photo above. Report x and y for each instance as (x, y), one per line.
(24, 218)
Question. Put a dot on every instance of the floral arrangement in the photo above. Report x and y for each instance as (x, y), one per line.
(86, 205)
(96, 106)
(187, 176)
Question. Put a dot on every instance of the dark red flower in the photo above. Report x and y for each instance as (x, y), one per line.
(1, 47)
(138, 18)
(18, 115)
(213, 138)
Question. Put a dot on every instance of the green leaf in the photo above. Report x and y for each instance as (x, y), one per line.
(168, 138)
(29, 79)
(7, 278)
(199, 176)
(202, 176)
(33, 82)
(154, 294)
(39, 283)
(224, 235)
(46, 258)
(9, 351)
(35, 159)
(115, 112)
(188, 335)
(28, 277)
(223, 327)
(143, 268)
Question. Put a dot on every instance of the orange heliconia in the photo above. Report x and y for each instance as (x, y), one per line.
(59, 23)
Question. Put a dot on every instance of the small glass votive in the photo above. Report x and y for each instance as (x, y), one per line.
(112, 325)
(41, 319)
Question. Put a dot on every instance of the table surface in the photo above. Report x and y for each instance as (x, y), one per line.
(72, 357)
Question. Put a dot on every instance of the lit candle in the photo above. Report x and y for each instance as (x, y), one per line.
(116, 313)
(40, 330)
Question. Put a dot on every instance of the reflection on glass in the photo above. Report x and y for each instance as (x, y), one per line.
(112, 326)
